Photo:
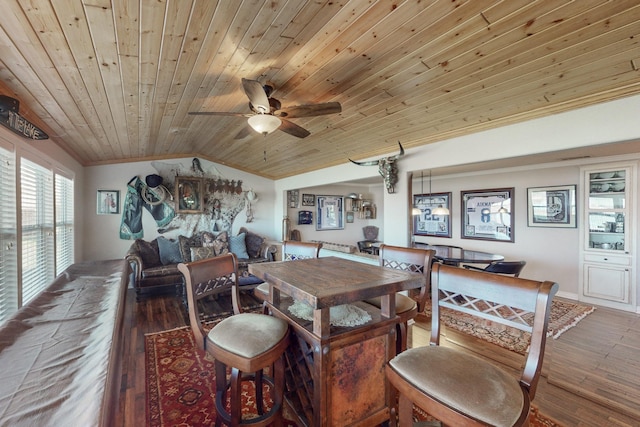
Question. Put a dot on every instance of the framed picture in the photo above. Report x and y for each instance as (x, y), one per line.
(292, 198)
(330, 211)
(350, 217)
(189, 195)
(488, 214)
(108, 202)
(427, 224)
(305, 217)
(308, 199)
(552, 206)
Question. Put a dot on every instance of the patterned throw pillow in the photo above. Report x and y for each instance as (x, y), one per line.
(202, 252)
(220, 244)
(186, 243)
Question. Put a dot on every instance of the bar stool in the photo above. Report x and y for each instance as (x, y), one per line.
(247, 343)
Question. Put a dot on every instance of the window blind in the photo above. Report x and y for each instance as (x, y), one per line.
(8, 238)
(64, 222)
(36, 183)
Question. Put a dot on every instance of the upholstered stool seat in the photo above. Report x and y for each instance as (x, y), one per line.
(248, 335)
(403, 303)
(482, 391)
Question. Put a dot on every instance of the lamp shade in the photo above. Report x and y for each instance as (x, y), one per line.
(440, 211)
(264, 123)
(416, 211)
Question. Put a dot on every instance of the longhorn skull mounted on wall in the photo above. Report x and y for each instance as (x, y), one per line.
(387, 169)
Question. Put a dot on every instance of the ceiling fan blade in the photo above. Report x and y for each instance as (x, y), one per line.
(256, 94)
(218, 113)
(311, 110)
(293, 129)
(244, 132)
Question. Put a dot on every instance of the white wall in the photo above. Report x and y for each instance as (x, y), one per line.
(352, 232)
(101, 232)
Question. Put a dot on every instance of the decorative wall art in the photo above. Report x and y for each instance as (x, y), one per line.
(308, 199)
(552, 206)
(350, 216)
(108, 202)
(292, 198)
(305, 217)
(189, 194)
(427, 224)
(488, 214)
(330, 211)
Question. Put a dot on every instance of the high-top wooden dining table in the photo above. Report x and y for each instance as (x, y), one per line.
(335, 374)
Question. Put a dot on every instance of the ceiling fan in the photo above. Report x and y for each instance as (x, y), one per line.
(267, 115)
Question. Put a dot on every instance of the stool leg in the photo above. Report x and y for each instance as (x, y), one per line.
(401, 337)
(221, 386)
(259, 387)
(278, 388)
(236, 396)
(405, 409)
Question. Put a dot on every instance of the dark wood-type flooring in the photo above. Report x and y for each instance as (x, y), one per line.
(599, 360)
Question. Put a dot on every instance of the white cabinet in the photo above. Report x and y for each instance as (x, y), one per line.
(607, 234)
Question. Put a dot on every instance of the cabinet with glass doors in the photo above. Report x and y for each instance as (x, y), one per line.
(607, 262)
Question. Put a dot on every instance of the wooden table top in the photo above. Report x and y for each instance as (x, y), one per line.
(330, 281)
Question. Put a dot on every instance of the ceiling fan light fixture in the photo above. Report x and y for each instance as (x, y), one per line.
(264, 123)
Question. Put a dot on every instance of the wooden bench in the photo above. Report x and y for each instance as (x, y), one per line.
(62, 352)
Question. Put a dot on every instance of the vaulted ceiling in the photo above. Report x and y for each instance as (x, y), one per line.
(115, 80)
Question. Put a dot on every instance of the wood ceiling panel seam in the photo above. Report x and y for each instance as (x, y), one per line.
(103, 33)
(177, 18)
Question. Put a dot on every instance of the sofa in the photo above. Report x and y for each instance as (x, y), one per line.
(155, 263)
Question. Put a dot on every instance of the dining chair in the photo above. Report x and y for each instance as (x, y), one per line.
(501, 267)
(291, 251)
(408, 259)
(262, 344)
(462, 389)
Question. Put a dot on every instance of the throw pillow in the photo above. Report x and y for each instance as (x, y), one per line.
(220, 244)
(238, 247)
(186, 243)
(253, 243)
(169, 251)
(208, 239)
(148, 252)
(202, 252)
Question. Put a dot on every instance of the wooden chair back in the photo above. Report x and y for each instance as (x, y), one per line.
(519, 303)
(293, 250)
(415, 260)
(206, 278)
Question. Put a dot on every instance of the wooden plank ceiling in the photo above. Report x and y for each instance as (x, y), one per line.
(114, 80)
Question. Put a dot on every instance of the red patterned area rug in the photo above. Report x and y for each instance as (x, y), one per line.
(180, 384)
(564, 315)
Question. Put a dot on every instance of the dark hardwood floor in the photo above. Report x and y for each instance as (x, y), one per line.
(599, 359)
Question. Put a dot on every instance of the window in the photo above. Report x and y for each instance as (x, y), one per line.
(8, 237)
(64, 223)
(36, 184)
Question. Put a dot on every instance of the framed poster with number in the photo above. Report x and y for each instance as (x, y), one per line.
(488, 214)
(427, 224)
